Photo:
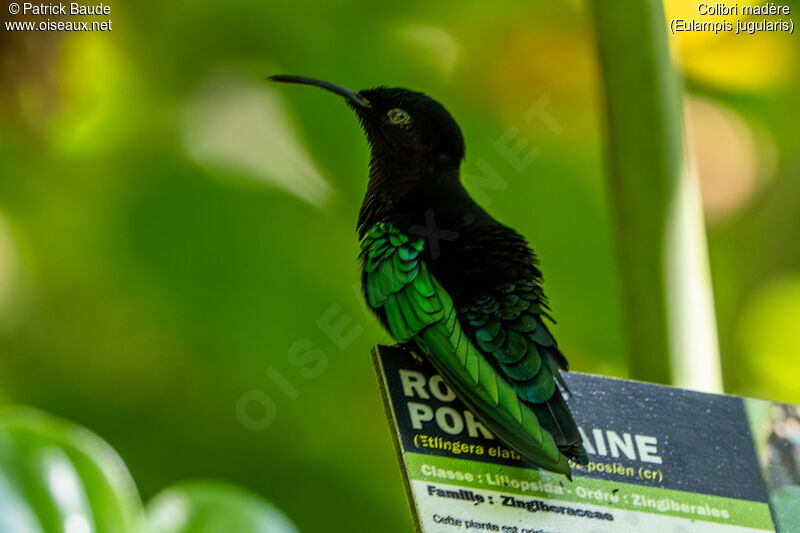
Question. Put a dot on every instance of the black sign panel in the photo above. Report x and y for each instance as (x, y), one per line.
(633, 432)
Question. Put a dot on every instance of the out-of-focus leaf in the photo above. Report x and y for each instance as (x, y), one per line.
(59, 477)
(211, 507)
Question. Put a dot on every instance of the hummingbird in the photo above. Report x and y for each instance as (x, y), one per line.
(451, 283)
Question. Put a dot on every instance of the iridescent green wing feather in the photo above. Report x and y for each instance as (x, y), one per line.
(416, 308)
(507, 326)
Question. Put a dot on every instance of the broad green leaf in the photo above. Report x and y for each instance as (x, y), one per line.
(213, 507)
(58, 477)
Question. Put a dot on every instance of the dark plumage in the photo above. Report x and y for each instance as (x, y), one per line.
(441, 273)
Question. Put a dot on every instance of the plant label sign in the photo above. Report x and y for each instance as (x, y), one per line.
(661, 459)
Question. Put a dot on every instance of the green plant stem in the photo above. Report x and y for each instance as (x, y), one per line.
(643, 103)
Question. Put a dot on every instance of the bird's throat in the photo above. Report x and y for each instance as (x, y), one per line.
(404, 191)
(385, 190)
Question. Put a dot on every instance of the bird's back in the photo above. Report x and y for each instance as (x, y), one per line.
(494, 281)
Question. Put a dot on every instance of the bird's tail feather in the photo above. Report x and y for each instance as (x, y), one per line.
(554, 416)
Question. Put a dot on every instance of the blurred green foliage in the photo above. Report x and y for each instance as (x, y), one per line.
(59, 477)
(153, 273)
(211, 507)
(56, 476)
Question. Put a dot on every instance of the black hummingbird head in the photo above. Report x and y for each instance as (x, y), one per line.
(402, 126)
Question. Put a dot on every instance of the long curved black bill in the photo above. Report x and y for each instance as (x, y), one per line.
(350, 94)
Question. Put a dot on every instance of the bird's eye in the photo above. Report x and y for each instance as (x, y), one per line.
(398, 116)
